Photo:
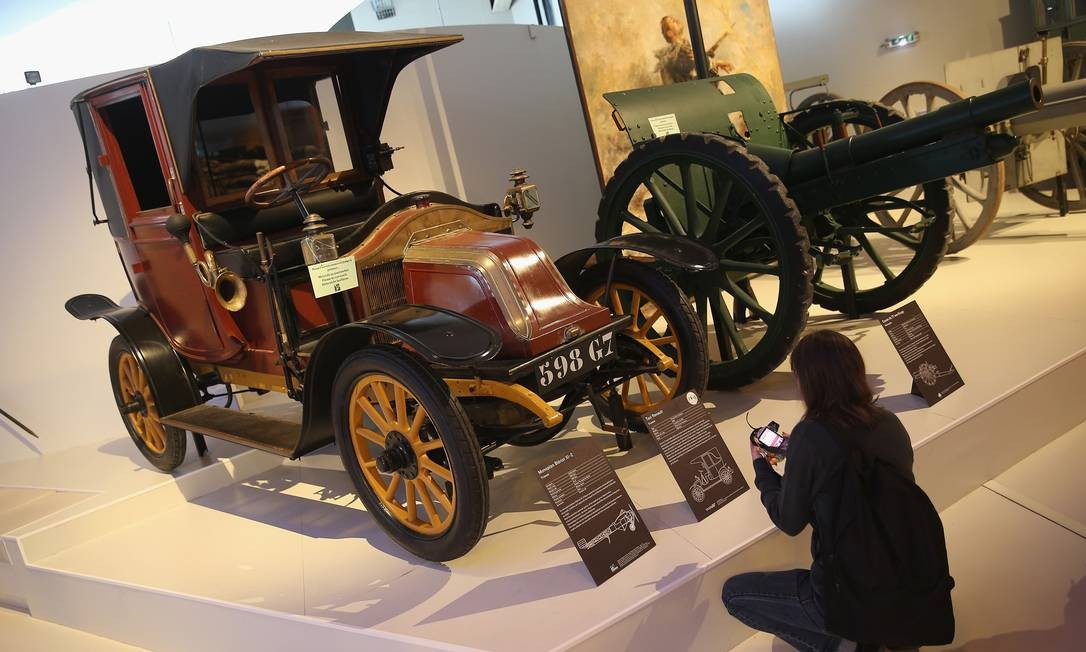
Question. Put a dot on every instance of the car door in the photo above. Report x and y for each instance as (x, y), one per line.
(162, 277)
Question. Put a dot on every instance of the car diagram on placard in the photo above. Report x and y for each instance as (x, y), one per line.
(929, 374)
(713, 472)
(627, 519)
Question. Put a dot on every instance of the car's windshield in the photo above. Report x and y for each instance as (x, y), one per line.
(233, 142)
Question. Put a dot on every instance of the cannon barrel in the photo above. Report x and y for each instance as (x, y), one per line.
(1065, 107)
(968, 115)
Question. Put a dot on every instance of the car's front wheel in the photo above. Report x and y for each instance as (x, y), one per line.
(410, 451)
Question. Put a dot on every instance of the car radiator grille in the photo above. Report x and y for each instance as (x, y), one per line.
(382, 287)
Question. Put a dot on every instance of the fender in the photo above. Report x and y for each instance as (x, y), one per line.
(439, 336)
(677, 250)
(172, 383)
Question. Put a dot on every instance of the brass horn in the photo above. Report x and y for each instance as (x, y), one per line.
(229, 288)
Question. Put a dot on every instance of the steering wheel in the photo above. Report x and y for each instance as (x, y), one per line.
(308, 172)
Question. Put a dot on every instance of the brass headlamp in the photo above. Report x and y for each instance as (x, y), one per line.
(522, 199)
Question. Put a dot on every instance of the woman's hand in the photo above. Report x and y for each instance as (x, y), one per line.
(756, 452)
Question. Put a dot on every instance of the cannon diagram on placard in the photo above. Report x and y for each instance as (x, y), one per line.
(929, 374)
(713, 471)
(627, 519)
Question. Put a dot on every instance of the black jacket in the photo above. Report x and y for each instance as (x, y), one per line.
(809, 490)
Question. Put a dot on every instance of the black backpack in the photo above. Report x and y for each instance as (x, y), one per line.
(887, 576)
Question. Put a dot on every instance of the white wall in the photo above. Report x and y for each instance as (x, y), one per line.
(88, 37)
(415, 14)
(55, 378)
(505, 97)
(842, 38)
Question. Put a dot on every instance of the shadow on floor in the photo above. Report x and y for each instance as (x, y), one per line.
(1067, 637)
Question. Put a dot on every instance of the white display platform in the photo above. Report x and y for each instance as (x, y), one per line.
(253, 551)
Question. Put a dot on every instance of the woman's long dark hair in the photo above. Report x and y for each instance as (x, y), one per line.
(833, 381)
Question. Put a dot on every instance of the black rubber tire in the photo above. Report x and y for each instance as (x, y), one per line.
(933, 244)
(795, 290)
(677, 311)
(175, 442)
(472, 493)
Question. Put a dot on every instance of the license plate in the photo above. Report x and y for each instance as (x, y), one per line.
(575, 360)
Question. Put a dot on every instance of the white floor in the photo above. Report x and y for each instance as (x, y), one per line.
(1020, 572)
(286, 543)
(21, 632)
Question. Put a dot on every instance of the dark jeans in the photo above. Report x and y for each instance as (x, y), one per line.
(780, 603)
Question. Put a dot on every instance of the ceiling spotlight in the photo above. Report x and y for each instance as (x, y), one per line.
(32, 77)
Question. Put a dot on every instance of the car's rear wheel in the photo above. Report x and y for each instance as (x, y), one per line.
(162, 445)
(665, 334)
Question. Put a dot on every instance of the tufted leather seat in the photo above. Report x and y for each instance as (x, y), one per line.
(344, 210)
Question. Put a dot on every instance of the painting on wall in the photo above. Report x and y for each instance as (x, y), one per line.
(619, 46)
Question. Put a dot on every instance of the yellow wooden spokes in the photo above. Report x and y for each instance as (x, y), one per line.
(649, 328)
(422, 499)
(132, 381)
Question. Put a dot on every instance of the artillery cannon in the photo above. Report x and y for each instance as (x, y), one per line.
(1049, 162)
(781, 203)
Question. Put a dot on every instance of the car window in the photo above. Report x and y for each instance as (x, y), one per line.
(229, 140)
(311, 119)
(127, 120)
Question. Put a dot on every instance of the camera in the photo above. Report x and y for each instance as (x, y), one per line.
(769, 439)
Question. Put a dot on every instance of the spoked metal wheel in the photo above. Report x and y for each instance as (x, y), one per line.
(162, 445)
(710, 189)
(975, 196)
(872, 254)
(410, 451)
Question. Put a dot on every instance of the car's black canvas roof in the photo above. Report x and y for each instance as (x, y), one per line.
(373, 61)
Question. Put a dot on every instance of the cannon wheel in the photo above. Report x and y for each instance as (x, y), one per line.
(976, 195)
(882, 268)
(410, 452)
(817, 98)
(711, 189)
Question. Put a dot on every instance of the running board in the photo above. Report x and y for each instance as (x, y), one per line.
(258, 431)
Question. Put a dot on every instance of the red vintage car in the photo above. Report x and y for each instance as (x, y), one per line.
(242, 185)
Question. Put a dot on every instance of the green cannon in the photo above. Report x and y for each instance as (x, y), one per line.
(844, 203)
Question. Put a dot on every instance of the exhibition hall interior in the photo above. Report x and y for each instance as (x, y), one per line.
(450, 324)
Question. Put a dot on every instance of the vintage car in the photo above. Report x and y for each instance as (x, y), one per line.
(242, 185)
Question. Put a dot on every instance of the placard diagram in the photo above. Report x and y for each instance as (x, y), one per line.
(696, 454)
(934, 375)
(595, 509)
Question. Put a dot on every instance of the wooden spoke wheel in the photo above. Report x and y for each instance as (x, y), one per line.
(664, 344)
(975, 196)
(411, 453)
(883, 249)
(710, 189)
(162, 445)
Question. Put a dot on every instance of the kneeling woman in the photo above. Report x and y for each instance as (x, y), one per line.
(839, 402)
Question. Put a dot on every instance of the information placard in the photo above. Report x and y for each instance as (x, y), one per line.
(693, 449)
(333, 276)
(595, 509)
(934, 375)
